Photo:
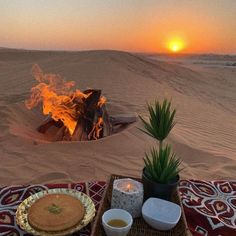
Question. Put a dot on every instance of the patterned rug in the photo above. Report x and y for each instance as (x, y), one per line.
(210, 207)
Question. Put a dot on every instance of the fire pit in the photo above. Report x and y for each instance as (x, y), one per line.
(76, 115)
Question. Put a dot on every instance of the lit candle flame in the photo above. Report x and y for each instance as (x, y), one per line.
(128, 187)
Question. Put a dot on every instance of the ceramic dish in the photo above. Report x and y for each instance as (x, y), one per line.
(117, 214)
(22, 211)
(161, 214)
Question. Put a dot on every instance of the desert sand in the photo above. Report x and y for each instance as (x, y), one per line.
(204, 95)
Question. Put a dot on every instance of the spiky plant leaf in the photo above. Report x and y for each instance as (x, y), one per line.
(162, 165)
(161, 120)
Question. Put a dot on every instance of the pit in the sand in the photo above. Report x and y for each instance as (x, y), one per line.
(72, 115)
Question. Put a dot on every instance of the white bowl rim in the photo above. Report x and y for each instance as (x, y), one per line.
(119, 228)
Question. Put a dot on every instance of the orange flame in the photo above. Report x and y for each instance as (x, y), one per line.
(97, 127)
(101, 101)
(58, 100)
(128, 187)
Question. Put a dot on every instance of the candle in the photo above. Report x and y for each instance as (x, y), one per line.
(127, 194)
(128, 187)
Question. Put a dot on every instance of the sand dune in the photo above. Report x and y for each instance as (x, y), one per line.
(204, 135)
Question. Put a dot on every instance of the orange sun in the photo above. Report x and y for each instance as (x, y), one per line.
(175, 45)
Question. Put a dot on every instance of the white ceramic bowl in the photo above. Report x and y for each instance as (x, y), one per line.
(161, 214)
(117, 214)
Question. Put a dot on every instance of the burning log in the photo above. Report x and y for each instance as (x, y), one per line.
(110, 125)
(77, 115)
(93, 123)
(107, 128)
(48, 123)
(60, 134)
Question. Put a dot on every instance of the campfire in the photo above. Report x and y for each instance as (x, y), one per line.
(76, 115)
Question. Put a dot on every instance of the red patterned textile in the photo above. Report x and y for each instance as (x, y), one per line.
(209, 206)
(12, 196)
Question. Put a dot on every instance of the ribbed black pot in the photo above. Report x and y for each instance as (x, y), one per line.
(153, 189)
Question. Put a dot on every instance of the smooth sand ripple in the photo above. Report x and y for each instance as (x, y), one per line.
(204, 135)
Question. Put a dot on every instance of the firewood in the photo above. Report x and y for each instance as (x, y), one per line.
(91, 108)
(92, 100)
(49, 122)
(93, 120)
(66, 135)
(79, 130)
(107, 126)
(60, 134)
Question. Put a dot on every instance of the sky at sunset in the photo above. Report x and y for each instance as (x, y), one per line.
(202, 26)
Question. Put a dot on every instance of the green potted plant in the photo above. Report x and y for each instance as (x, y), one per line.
(161, 172)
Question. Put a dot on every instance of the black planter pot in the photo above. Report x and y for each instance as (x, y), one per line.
(153, 189)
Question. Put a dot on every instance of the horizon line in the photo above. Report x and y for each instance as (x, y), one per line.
(118, 50)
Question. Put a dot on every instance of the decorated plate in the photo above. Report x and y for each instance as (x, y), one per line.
(22, 211)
